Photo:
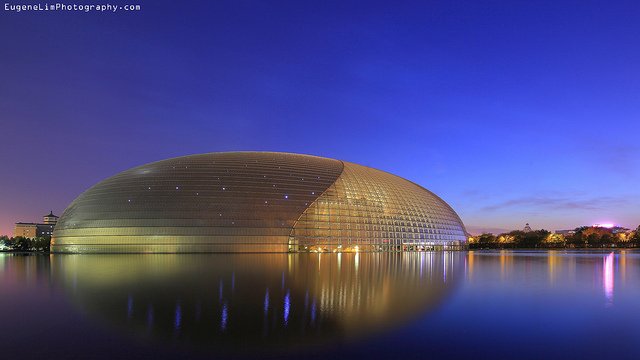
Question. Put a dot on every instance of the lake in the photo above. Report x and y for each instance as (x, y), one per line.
(481, 304)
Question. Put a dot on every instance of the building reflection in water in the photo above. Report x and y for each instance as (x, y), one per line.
(257, 300)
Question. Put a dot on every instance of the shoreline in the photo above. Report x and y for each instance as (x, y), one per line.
(604, 249)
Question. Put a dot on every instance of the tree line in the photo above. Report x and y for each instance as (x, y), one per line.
(583, 237)
(21, 243)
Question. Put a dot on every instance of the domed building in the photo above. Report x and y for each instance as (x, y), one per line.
(256, 202)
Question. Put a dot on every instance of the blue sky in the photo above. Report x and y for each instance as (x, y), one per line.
(511, 111)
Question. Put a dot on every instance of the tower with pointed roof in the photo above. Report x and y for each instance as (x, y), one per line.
(50, 219)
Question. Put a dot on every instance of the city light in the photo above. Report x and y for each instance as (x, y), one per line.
(605, 225)
(608, 277)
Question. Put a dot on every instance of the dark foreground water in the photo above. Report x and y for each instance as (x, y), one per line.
(483, 305)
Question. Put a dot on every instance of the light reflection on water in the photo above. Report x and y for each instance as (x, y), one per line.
(327, 305)
(607, 277)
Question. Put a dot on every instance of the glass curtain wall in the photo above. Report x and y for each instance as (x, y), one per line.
(371, 210)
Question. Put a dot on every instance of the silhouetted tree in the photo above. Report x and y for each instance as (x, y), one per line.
(576, 240)
(585, 236)
(21, 243)
(486, 239)
(5, 242)
(607, 240)
(41, 243)
(532, 239)
(635, 238)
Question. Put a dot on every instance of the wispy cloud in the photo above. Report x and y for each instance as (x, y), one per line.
(559, 203)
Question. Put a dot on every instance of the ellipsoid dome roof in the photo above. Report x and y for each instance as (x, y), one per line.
(255, 202)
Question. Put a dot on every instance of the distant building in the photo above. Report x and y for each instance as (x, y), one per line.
(33, 230)
(527, 228)
(28, 230)
(620, 230)
(565, 232)
(613, 229)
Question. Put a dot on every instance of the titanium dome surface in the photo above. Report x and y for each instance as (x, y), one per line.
(256, 202)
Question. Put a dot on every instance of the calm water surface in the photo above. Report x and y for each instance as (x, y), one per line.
(487, 305)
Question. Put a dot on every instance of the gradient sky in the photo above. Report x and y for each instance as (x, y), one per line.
(511, 111)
